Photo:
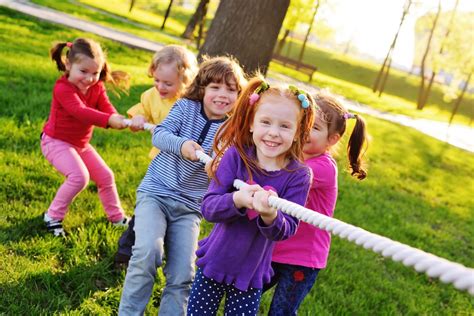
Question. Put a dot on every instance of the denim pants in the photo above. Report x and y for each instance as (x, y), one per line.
(161, 225)
(293, 283)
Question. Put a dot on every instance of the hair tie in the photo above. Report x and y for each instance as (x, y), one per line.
(301, 95)
(69, 44)
(348, 115)
(255, 96)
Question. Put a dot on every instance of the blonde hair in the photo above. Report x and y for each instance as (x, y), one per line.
(186, 63)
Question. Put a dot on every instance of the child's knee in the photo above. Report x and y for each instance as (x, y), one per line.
(105, 178)
(79, 179)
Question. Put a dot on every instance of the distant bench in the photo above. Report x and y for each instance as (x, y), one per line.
(292, 63)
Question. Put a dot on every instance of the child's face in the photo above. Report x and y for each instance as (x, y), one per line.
(83, 73)
(273, 130)
(167, 80)
(219, 98)
(318, 142)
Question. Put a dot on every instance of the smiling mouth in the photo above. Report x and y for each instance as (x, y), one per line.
(221, 104)
(270, 144)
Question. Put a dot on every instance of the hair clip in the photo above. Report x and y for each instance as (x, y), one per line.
(301, 95)
(255, 96)
(348, 115)
(69, 44)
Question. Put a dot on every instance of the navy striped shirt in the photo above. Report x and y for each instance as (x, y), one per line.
(170, 174)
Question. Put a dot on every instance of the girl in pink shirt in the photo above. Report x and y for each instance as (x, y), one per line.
(79, 103)
(297, 260)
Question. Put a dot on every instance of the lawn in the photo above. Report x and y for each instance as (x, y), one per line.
(419, 192)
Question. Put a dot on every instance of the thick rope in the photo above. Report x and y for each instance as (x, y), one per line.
(460, 276)
(146, 126)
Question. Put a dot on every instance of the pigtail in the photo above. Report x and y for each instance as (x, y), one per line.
(354, 148)
(119, 81)
(56, 55)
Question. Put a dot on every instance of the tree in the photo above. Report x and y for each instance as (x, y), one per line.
(246, 29)
(421, 91)
(132, 3)
(316, 8)
(196, 19)
(167, 14)
(424, 97)
(379, 84)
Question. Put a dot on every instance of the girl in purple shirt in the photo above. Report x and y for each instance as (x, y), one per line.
(260, 144)
(297, 260)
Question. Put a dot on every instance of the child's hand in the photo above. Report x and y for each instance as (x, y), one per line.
(116, 121)
(260, 204)
(245, 196)
(188, 150)
(137, 123)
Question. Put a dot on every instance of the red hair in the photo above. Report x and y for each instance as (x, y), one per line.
(236, 130)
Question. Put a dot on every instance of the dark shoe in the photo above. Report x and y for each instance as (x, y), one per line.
(121, 261)
(54, 226)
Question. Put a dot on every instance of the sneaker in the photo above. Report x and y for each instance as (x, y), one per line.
(123, 222)
(54, 226)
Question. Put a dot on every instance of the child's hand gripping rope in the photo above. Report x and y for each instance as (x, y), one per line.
(146, 126)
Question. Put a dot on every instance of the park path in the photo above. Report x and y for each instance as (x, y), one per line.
(456, 135)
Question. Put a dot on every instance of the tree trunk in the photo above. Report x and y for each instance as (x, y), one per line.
(427, 91)
(421, 91)
(281, 43)
(459, 99)
(197, 17)
(316, 8)
(132, 3)
(385, 67)
(385, 77)
(246, 29)
(167, 14)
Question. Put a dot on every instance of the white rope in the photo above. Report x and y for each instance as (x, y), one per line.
(460, 276)
(146, 126)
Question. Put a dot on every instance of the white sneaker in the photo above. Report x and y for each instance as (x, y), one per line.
(54, 226)
(123, 222)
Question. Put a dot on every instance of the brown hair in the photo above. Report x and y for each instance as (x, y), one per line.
(83, 47)
(186, 63)
(236, 130)
(335, 116)
(215, 70)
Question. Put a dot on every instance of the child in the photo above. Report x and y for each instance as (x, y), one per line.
(167, 216)
(80, 102)
(172, 67)
(261, 144)
(297, 261)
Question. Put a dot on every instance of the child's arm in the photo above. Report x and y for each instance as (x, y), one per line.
(222, 203)
(72, 104)
(283, 225)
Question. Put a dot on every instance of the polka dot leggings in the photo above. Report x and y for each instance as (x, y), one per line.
(207, 294)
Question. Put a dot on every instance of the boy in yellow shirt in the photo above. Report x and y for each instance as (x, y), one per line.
(173, 67)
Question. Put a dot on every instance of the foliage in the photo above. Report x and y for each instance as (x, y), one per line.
(419, 192)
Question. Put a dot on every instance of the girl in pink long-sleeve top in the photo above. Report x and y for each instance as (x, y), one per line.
(79, 103)
(297, 260)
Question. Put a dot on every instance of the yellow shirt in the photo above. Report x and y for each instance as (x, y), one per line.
(153, 108)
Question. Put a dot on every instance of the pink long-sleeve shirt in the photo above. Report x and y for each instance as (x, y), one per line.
(309, 247)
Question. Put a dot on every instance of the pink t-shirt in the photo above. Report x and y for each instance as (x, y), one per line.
(309, 247)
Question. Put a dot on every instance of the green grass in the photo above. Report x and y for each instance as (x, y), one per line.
(419, 192)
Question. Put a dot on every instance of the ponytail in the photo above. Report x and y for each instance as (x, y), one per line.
(354, 148)
(56, 55)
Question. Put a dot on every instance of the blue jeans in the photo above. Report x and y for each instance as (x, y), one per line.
(293, 284)
(207, 294)
(161, 225)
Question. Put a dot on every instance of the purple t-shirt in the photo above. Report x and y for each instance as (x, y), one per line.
(238, 249)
